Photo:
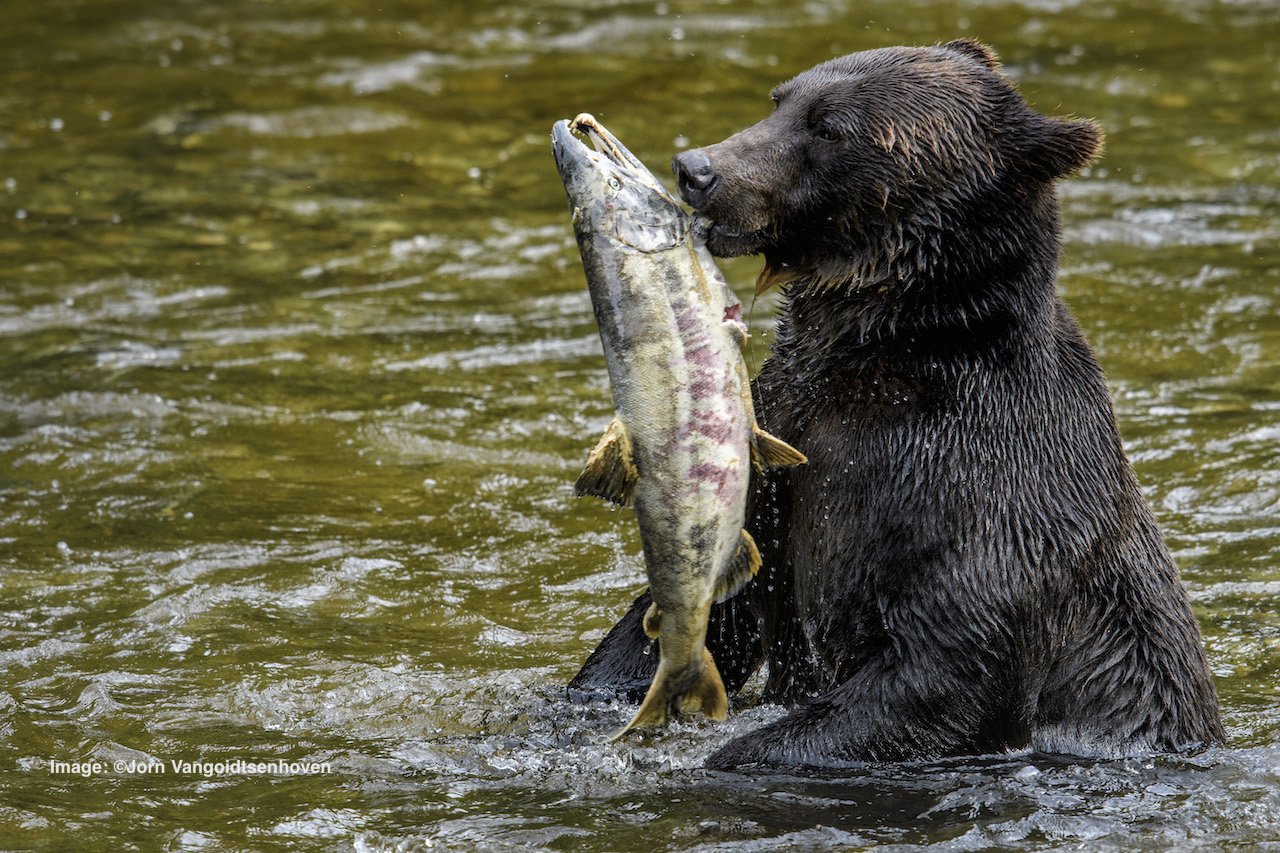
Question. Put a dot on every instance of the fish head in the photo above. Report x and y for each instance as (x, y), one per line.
(614, 197)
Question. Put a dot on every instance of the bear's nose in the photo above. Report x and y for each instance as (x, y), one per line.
(695, 177)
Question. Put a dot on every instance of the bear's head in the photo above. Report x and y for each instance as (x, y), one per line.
(886, 165)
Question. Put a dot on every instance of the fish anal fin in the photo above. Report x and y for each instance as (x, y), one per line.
(769, 451)
(610, 472)
(742, 567)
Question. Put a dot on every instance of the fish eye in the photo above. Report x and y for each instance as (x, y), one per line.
(615, 183)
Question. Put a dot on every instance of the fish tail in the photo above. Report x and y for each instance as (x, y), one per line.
(705, 693)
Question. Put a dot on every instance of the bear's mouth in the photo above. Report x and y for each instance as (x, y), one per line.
(724, 241)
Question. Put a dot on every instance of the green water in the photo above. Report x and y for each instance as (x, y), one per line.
(297, 368)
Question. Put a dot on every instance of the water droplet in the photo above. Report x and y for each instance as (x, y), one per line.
(56, 124)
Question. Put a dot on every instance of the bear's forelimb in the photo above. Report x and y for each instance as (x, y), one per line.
(626, 659)
(879, 714)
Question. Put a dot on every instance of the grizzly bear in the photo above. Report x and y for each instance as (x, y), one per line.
(966, 564)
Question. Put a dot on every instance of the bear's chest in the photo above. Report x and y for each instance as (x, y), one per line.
(883, 493)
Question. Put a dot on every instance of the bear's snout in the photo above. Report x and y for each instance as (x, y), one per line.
(695, 177)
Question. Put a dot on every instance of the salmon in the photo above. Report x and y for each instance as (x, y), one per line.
(684, 437)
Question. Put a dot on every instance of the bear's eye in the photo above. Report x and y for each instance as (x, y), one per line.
(826, 132)
(615, 183)
(825, 125)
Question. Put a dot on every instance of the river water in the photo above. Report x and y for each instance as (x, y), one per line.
(297, 368)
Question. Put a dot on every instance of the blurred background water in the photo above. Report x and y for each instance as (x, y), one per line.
(297, 368)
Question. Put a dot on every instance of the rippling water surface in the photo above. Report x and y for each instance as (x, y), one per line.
(297, 368)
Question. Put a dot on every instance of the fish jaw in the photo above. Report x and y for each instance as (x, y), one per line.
(617, 203)
(569, 151)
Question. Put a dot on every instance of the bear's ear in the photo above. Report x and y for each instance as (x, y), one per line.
(975, 50)
(1070, 145)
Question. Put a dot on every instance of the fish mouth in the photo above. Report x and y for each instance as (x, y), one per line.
(572, 155)
(604, 141)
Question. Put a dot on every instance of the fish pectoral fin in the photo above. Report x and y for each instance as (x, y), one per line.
(769, 451)
(705, 693)
(611, 471)
(742, 567)
(652, 621)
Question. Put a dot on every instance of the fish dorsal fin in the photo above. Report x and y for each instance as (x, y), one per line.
(769, 451)
(742, 567)
(610, 472)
